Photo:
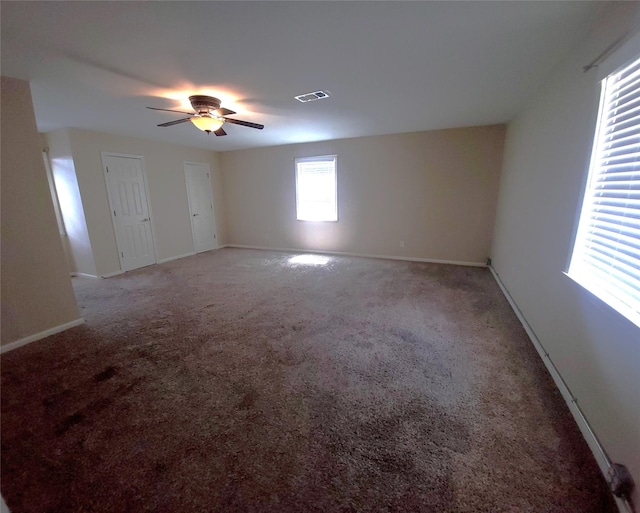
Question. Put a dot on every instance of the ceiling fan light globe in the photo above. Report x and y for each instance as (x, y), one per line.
(207, 123)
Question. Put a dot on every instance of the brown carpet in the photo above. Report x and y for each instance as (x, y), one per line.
(240, 381)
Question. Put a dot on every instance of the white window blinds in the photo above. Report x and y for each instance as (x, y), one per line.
(606, 256)
(316, 190)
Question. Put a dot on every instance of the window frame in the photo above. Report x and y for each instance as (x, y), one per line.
(317, 158)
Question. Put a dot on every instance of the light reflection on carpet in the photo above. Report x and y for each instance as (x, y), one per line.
(309, 260)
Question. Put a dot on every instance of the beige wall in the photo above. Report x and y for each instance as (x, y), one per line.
(547, 153)
(76, 241)
(436, 191)
(167, 195)
(36, 290)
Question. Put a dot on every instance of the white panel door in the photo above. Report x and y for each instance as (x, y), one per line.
(130, 211)
(203, 223)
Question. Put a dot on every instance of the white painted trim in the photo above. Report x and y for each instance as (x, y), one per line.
(84, 275)
(366, 255)
(590, 437)
(37, 336)
(114, 273)
(176, 257)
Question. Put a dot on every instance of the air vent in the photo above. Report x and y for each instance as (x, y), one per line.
(309, 97)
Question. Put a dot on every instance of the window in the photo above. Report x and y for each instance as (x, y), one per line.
(54, 193)
(316, 189)
(606, 254)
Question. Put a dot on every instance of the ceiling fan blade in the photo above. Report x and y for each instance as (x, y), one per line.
(220, 131)
(169, 110)
(176, 122)
(244, 123)
(224, 112)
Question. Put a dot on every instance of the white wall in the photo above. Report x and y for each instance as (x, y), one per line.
(36, 289)
(167, 195)
(436, 191)
(547, 153)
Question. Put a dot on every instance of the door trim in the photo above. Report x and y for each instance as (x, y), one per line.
(104, 154)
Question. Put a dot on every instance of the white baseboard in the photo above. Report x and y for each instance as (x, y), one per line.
(84, 275)
(109, 275)
(176, 257)
(37, 336)
(87, 275)
(116, 273)
(366, 255)
(592, 440)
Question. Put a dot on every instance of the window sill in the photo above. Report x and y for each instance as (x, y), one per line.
(317, 220)
(602, 298)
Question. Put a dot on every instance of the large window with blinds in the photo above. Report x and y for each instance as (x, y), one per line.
(316, 189)
(606, 254)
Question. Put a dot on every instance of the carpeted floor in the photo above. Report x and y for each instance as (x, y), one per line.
(254, 381)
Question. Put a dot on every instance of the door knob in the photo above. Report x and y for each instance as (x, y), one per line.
(144, 220)
(194, 215)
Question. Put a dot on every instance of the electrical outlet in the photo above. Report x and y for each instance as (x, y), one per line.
(402, 244)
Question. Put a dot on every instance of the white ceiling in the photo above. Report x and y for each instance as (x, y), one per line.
(390, 67)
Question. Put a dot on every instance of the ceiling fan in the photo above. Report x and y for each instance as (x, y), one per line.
(208, 116)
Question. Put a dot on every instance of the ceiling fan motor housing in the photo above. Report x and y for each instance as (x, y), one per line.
(203, 104)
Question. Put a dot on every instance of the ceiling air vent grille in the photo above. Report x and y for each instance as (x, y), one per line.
(309, 97)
